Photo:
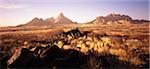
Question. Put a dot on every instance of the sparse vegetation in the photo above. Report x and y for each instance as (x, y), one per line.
(96, 47)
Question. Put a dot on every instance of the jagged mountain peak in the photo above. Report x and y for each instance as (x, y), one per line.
(37, 19)
(61, 19)
(113, 14)
(112, 18)
(35, 22)
(60, 16)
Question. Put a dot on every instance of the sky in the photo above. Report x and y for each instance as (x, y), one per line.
(15, 12)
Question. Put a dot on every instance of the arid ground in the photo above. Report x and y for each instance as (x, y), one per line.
(95, 46)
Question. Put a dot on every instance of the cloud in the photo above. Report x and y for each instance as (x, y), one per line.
(11, 6)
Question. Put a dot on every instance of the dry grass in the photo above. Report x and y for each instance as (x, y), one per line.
(126, 41)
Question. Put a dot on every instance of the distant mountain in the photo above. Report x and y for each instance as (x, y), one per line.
(38, 22)
(61, 19)
(115, 17)
(112, 19)
(140, 21)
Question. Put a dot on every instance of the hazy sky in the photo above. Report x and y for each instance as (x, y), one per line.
(15, 12)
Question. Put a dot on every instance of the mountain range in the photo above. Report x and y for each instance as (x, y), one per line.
(61, 19)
